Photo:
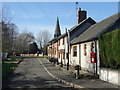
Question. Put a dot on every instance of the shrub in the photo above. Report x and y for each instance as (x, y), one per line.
(13, 57)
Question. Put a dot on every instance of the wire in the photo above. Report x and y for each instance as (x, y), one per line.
(44, 12)
(24, 9)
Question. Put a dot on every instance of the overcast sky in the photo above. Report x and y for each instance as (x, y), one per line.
(37, 16)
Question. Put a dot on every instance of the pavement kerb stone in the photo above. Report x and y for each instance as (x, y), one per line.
(61, 80)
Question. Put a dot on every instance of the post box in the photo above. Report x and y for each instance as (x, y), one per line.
(93, 57)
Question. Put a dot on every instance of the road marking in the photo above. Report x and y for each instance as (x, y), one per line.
(46, 69)
(60, 80)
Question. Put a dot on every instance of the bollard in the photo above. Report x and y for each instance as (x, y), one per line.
(61, 64)
(77, 75)
(57, 62)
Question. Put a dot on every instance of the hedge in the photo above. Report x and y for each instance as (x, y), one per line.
(109, 45)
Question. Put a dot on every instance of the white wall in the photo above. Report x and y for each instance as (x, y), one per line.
(66, 50)
(65, 47)
(98, 58)
(111, 76)
(61, 46)
(85, 60)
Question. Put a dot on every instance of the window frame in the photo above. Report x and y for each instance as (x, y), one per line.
(74, 51)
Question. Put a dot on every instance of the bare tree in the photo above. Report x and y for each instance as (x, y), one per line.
(6, 14)
(42, 40)
(46, 37)
(39, 40)
(9, 32)
(23, 41)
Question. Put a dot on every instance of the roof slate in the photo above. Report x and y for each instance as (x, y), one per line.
(96, 29)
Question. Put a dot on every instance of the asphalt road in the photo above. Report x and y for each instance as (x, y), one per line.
(31, 74)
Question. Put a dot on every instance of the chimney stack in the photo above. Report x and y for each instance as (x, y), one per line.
(82, 15)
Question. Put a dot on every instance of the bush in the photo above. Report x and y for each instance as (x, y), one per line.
(109, 49)
(13, 57)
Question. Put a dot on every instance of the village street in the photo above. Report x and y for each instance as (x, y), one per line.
(40, 73)
(31, 74)
(61, 45)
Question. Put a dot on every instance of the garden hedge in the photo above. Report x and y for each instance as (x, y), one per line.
(109, 45)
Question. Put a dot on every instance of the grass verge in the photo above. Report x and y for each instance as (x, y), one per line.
(8, 67)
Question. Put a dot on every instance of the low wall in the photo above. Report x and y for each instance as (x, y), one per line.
(31, 55)
(109, 75)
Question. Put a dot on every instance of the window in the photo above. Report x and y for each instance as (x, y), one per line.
(75, 51)
(58, 42)
(67, 55)
(63, 41)
(55, 51)
(64, 54)
(92, 47)
(85, 47)
(59, 54)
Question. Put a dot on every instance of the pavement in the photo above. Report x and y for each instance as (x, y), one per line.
(64, 77)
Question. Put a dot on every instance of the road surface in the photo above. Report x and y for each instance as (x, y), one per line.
(30, 73)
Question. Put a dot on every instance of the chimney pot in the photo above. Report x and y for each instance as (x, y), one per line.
(79, 9)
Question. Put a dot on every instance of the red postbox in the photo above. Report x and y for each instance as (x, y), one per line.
(93, 57)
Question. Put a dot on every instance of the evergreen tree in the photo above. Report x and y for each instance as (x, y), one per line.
(33, 48)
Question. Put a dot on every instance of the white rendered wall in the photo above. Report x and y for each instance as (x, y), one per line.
(85, 60)
(109, 75)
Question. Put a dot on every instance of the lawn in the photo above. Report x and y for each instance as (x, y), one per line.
(8, 67)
